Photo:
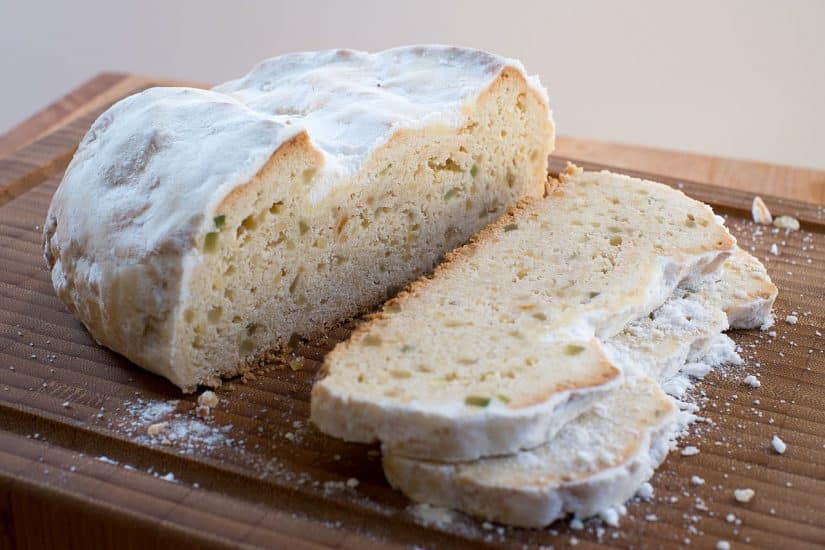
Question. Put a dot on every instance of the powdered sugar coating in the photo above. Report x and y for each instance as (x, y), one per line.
(351, 102)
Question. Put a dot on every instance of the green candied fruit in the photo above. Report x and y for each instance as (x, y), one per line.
(503, 398)
(372, 340)
(219, 221)
(510, 227)
(573, 349)
(477, 401)
(450, 194)
(593, 294)
(210, 242)
(474, 170)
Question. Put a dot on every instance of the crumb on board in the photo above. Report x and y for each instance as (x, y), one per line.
(786, 222)
(752, 381)
(156, 428)
(208, 399)
(760, 212)
(791, 319)
(778, 445)
(743, 495)
(690, 450)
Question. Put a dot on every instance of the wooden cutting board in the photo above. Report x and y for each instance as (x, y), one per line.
(77, 468)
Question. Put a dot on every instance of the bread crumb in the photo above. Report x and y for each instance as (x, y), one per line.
(651, 517)
(791, 319)
(690, 450)
(786, 222)
(760, 212)
(576, 524)
(743, 495)
(778, 445)
(723, 545)
(752, 381)
(208, 399)
(352, 483)
(696, 480)
(156, 428)
(774, 249)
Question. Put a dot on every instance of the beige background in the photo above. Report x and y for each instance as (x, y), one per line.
(742, 79)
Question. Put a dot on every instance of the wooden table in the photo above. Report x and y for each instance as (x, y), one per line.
(56, 491)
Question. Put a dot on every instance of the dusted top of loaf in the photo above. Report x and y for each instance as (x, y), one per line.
(350, 101)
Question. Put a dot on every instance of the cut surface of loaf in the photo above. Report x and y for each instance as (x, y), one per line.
(498, 349)
(195, 230)
(600, 459)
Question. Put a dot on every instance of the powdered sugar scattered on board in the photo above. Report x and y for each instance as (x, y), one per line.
(158, 422)
(431, 515)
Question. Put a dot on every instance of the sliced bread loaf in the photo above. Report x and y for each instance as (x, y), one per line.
(497, 350)
(600, 459)
(195, 230)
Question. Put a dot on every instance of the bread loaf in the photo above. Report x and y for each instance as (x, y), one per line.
(195, 230)
(499, 348)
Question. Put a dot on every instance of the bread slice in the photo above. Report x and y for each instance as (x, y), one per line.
(195, 230)
(740, 296)
(745, 292)
(597, 461)
(498, 349)
(600, 459)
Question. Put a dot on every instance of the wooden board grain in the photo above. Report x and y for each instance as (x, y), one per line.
(74, 447)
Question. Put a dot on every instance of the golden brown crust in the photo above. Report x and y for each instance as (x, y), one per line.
(298, 145)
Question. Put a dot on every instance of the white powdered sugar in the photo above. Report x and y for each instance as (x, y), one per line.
(431, 515)
(722, 351)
